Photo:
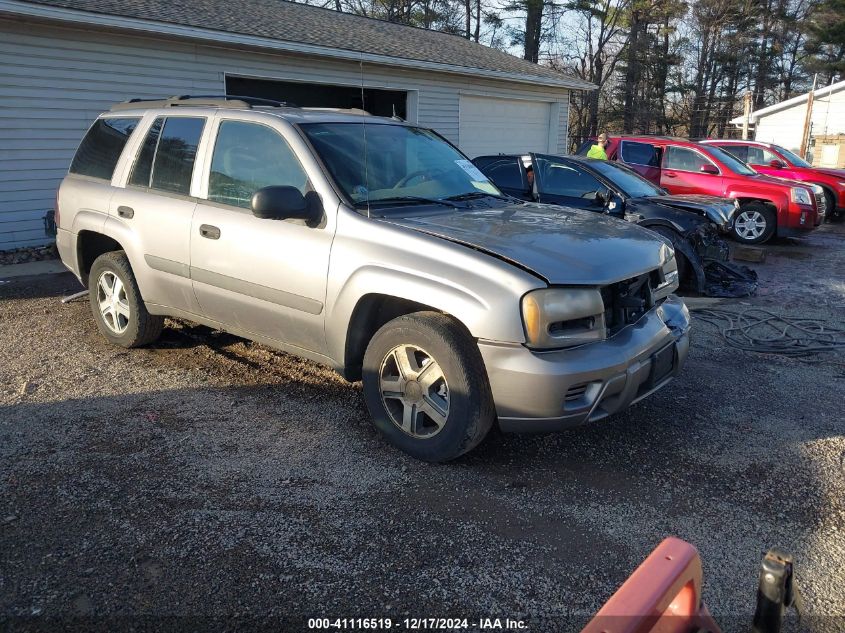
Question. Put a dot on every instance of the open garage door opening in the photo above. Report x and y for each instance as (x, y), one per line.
(311, 95)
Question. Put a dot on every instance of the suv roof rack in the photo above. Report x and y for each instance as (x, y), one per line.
(218, 101)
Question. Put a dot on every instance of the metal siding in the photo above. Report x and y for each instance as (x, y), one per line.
(54, 81)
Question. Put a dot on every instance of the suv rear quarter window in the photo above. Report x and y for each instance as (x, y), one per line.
(102, 146)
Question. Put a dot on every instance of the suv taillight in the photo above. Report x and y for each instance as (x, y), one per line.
(56, 210)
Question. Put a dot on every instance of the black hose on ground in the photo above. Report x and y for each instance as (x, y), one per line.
(760, 330)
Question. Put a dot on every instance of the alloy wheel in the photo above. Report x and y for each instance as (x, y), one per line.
(414, 391)
(750, 225)
(114, 306)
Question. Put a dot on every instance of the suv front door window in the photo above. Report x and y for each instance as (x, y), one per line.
(683, 173)
(263, 276)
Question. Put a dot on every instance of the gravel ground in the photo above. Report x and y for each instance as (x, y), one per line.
(207, 477)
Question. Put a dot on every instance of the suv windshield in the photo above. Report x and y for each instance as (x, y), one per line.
(792, 157)
(382, 163)
(632, 184)
(729, 161)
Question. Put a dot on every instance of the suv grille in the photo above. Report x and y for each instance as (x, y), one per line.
(821, 203)
(625, 302)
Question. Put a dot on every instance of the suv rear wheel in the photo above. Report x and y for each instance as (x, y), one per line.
(755, 223)
(116, 303)
(426, 387)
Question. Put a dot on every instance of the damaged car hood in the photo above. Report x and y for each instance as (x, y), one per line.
(561, 245)
(718, 210)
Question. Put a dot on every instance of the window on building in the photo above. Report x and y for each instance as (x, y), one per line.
(248, 157)
(102, 146)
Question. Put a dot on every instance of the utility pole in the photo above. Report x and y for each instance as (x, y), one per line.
(808, 118)
(746, 114)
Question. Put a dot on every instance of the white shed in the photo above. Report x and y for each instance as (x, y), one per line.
(783, 123)
(62, 62)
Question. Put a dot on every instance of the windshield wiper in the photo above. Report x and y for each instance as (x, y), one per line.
(411, 199)
(473, 195)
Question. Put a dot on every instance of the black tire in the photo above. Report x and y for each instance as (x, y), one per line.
(470, 412)
(831, 213)
(757, 211)
(140, 327)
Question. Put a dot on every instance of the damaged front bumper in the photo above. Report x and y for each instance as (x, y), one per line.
(550, 391)
(712, 272)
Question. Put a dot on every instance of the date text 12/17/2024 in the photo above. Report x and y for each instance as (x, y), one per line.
(416, 624)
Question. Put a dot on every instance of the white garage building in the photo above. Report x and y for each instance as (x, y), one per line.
(62, 62)
(783, 123)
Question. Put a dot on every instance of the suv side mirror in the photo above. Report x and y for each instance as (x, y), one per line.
(709, 169)
(284, 202)
(776, 164)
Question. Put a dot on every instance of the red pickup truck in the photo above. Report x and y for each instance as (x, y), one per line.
(773, 160)
(768, 206)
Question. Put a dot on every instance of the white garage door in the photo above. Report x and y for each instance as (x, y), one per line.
(495, 126)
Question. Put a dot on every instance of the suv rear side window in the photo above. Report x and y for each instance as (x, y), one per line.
(248, 157)
(102, 146)
(635, 153)
(166, 159)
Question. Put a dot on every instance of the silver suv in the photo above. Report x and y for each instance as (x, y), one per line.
(375, 247)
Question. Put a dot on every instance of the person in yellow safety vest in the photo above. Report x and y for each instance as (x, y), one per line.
(597, 150)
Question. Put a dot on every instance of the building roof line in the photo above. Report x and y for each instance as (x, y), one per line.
(20, 8)
(818, 93)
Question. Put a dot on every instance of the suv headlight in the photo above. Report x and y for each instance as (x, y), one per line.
(801, 196)
(669, 273)
(563, 317)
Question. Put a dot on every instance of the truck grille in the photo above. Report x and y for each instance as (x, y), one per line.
(625, 302)
(821, 203)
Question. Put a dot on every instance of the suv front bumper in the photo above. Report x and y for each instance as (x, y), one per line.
(550, 391)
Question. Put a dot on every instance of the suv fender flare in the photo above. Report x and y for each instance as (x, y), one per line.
(780, 201)
(457, 301)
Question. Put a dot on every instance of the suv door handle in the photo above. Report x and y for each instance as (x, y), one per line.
(209, 232)
(126, 212)
(670, 174)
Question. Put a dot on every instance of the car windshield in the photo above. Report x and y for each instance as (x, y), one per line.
(380, 164)
(730, 161)
(792, 157)
(631, 183)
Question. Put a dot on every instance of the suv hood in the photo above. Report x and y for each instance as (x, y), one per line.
(561, 245)
(783, 182)
(827, 171)
(720, 211)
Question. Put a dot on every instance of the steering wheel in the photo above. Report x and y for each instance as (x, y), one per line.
(425, 174)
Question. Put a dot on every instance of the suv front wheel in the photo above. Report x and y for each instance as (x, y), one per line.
(754, 224)
(117, 305)
(426, 387)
